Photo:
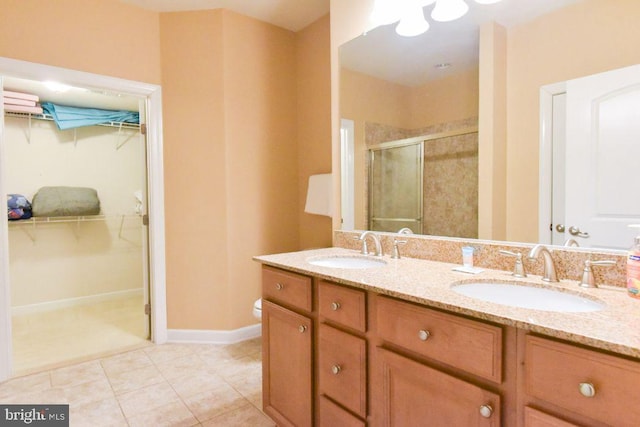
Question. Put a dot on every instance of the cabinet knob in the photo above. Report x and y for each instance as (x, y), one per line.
(336, 369)
(279, 286)
(587, 389)
(486, 411)
(302, 329)
(423, 335)
(335, 306)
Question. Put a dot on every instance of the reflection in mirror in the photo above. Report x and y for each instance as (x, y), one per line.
(392, 90)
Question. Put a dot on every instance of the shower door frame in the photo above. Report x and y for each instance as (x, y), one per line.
(152, 95)
(371, 160)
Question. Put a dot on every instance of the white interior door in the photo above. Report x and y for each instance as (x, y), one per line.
(602, 154)
(347, 173)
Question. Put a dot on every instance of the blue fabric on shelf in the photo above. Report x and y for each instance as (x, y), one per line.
(67, 117)
(18, 207)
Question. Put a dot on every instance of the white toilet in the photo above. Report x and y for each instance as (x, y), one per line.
(257, 309)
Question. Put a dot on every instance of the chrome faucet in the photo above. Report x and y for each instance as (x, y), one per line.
(376, 240)
(405, 230)
(549, 266)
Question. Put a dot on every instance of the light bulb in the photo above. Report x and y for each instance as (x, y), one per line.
(385, 12)
(449, 10)
(412, 22)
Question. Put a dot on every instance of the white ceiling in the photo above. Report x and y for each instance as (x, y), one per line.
(411, 61)
(293, 15)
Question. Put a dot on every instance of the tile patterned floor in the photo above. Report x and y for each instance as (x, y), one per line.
(158, 385)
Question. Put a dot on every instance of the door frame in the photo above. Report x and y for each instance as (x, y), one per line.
(155, 191)
(545, 179)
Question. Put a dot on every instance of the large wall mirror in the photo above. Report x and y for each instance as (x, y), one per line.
(413, 107)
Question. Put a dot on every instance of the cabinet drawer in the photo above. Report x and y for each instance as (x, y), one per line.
(331, 415)
(342, 368)
(472, 346)
(563, 374)
(287, 288)
(408, 393)
(535, 418)
(342, 305)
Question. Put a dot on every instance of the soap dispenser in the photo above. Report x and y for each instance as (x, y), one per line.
(633, 267)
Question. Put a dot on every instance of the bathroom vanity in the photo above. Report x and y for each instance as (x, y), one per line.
(393, 345)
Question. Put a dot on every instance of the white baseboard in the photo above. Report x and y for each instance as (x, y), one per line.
(72, 302)
(201, 336)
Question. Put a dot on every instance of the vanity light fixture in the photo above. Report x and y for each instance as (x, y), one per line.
(412, 22)
(449, 10)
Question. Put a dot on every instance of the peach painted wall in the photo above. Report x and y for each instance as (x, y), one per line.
(194, 168)
(231, 161)
(586, 38)
(261, 167)
(314, 124)
(98, 36)
(445, 100)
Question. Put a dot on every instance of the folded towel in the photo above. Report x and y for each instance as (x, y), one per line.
(67, 117)
(22, 109)
(18, 101)
(20, 95)
(66, 201)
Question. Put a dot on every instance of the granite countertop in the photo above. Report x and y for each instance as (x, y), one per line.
(616, 328)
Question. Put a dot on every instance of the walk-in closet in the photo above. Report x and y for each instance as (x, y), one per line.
(76, 186)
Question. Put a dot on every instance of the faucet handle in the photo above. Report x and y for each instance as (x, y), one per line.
(518, 269)
(396, 252)
(365, 249)
(588, 280)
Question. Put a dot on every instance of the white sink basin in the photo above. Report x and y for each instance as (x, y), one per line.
(523, 296)
(353, 262)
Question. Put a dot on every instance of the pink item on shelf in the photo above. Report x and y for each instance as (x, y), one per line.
(18, 101)
(22, 109)
(20, 95)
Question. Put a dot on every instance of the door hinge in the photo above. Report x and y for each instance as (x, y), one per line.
(147, 309)
(143, 128)
(145, 219)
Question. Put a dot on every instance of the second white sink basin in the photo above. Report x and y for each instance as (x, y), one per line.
(357, 262)
(523, 296)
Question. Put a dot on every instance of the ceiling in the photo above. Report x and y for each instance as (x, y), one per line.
(292, 15)
(411, 61)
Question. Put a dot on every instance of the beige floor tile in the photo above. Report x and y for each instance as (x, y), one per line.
(172, 415)
(147, 398)
(103, 413)
(123, 382)
(190, 385)
(124, 362)
(245, 416)
(50, 395)
(26, 384)
(212, 403)
(230, 368)
(88, 392)
(190, 364)
(166, 352)
(77, 374)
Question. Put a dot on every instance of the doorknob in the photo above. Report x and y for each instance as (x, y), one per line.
(575, 231)
(560, 228)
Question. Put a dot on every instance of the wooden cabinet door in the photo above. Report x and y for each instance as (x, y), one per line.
(287, 366)
(408, 394)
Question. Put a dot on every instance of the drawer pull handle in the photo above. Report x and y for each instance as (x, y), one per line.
(486, 411)
(336, 369)
(424, 335)
(335, 306)
(279, 286)
(302, 329)
(587, 389)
